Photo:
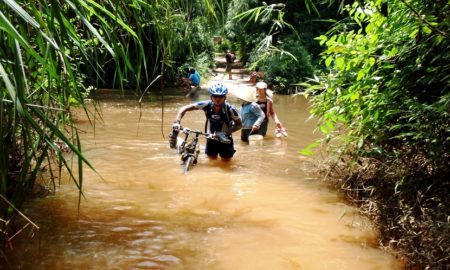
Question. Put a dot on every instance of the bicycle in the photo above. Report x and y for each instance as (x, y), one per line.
(190, 150)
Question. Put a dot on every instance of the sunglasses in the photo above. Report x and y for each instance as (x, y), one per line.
(217, 96)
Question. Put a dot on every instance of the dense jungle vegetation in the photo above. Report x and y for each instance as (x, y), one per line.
(377, 73)
(385, 91)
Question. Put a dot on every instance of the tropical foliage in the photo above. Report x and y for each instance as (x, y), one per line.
(283, 69)
(385, 101)
(382, 98)
(54, 52)
(279, 37)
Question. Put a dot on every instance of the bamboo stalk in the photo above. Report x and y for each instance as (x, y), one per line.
(18, 211)
(34, 105)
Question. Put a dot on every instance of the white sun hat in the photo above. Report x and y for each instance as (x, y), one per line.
(246, 93)
(263, 85)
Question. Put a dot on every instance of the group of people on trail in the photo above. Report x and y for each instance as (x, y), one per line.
(192, 81)
(256, 76)
(224, 119)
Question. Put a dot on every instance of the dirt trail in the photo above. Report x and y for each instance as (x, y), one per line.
(240, 77)
(239, 73)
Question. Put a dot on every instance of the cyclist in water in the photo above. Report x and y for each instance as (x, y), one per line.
(222, 119)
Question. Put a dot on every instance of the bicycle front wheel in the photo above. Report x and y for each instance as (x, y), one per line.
(188, 164)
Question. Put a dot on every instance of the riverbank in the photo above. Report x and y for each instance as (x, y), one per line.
(412, 215)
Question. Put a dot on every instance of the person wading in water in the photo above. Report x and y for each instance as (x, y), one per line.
(222, 119)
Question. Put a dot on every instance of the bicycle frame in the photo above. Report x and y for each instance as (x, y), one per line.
(190, 150)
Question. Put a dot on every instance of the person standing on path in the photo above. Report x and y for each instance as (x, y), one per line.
(229, 57)
(256, 76)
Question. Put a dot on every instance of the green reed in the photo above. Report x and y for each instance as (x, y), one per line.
(52, 52)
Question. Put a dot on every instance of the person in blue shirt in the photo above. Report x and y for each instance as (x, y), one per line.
(194, 77)
(251, 113)
(222, 118)
(191, 82)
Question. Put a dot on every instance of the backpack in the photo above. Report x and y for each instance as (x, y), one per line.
(208, 114)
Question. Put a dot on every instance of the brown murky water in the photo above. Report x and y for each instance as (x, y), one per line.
(262, 210)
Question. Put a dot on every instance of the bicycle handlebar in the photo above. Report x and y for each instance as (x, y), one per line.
(186, 130)
(215, 136)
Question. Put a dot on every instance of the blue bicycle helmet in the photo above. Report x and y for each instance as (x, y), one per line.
(218, 90)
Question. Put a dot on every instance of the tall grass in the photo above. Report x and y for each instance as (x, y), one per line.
(52, 52)
(40, 58)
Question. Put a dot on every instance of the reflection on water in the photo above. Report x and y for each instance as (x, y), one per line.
(262, 210)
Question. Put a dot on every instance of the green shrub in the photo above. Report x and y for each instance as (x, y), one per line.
(283, 69)
(226, 45)
(385, 101)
